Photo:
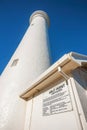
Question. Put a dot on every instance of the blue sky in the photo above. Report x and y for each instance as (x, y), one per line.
(67, 32)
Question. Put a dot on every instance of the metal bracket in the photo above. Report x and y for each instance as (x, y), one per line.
(66, 77)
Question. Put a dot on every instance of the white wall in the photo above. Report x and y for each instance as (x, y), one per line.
(61, 119)
(80, 80)
(33, 58)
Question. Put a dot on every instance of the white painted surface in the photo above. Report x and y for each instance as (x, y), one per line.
(64, 103)
(80, 88)
(66, 120)
(32, 58)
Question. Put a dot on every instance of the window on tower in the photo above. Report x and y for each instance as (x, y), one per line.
(32, 24)
(14, 63)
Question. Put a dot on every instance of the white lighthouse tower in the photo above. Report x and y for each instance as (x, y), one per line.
(29, 60)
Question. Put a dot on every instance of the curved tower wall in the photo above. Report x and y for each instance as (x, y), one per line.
(30, 59)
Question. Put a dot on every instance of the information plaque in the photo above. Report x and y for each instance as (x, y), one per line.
(57, 100)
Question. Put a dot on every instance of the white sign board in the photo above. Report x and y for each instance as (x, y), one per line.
(56, 100)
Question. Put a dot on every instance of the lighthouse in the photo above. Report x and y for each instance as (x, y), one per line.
(30, 59)
(34, 96)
